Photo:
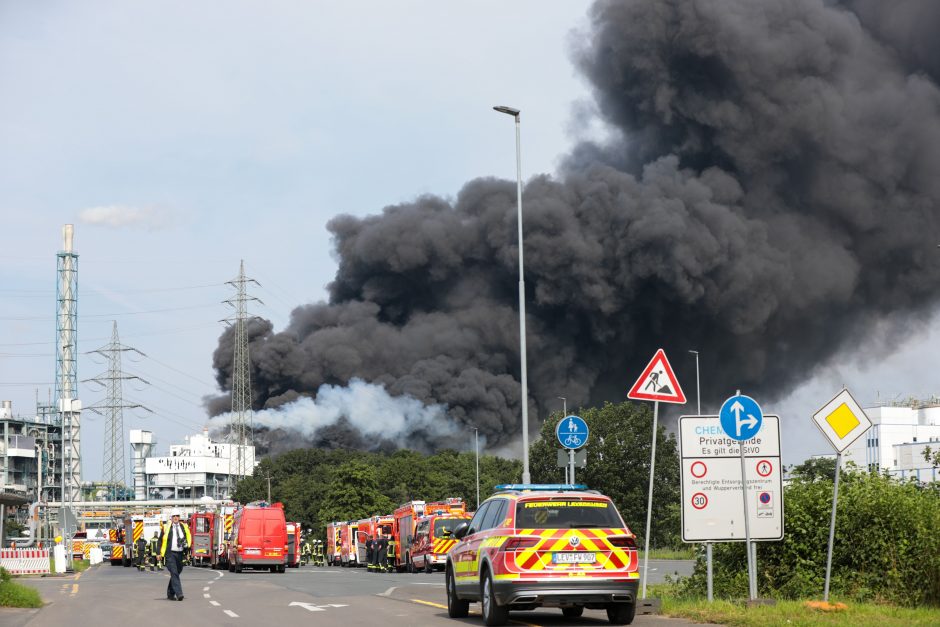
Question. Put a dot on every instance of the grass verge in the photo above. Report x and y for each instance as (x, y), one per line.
(13, 594)
(670, 554)
(791, 613)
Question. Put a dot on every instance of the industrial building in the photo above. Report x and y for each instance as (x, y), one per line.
(30, 455)
(896, 442)
(199, 468)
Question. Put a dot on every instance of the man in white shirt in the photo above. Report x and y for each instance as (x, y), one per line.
(175, 540)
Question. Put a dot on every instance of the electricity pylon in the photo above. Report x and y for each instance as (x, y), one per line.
(112, 408)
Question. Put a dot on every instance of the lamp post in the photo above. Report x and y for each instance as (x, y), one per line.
(476, 437)
(526, 477)
(564, 413)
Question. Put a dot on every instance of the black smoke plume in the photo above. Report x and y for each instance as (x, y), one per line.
(767, 195)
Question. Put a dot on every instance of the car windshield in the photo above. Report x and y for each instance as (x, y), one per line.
(565, 514)
(446, 524)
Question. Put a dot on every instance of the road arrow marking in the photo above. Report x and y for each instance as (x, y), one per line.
(310, 607)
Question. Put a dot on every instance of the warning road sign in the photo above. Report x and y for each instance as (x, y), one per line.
(658, 382)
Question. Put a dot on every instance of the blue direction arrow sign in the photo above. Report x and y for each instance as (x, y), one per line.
(741, 417)
(572, 432)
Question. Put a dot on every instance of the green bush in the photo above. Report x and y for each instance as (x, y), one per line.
(887, 546)
(13, 594)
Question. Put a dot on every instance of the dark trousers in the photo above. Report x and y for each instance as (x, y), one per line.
(174, 564)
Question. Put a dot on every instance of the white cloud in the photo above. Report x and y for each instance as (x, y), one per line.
(121, 216)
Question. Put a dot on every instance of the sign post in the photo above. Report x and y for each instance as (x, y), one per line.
(842, 421)
(741, 419)
(572, 432)
(657, 383)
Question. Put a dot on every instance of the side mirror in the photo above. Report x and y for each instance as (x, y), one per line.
(461, 530)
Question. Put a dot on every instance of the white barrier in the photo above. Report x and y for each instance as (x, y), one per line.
(58, 552)
(25, 561)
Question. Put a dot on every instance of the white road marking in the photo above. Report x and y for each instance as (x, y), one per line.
(206, 596)
(231, 613)
(215, 603)
(427, 583)
(388, 592)
(206, 589)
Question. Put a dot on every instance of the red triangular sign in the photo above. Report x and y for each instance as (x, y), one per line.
(658, 382)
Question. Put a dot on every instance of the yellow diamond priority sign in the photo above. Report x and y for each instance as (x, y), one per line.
(842, 421)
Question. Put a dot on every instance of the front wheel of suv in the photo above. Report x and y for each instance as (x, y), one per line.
(493, 614)
(621, 613)
(456, 607)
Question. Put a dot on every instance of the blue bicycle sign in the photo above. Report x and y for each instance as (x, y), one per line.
(572, 432)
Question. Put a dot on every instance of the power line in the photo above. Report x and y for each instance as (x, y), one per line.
(108, 315)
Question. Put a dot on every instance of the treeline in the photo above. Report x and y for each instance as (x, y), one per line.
(320, 486)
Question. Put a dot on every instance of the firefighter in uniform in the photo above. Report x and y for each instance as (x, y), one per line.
(140, 553)
(370, 548)
(153, 551)
(306, 552)
(389, 555)
(319, 559)
(381, 554)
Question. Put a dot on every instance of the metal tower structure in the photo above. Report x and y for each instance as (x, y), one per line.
(241, 426)
(66, 367)
(112, 408)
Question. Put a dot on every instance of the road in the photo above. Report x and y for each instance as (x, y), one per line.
(107, 596)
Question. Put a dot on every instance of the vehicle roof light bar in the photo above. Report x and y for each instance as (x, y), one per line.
(540, 487)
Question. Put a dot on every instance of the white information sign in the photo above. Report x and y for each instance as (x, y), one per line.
(712, 505)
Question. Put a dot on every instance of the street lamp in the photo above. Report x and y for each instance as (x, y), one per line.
(476, 437)
(526, 477)
(708, 545)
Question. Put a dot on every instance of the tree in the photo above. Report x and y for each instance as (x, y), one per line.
(353, 493)
(618, 465)
(815, 469)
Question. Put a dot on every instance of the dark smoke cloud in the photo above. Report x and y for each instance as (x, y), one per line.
(767, 196)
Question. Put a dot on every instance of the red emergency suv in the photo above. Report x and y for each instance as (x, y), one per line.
(532, 546)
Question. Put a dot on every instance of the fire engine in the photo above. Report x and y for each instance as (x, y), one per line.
(204, 549)
(434, 534)
(222, 534)
(349, 543)
(333, 543)
(403, 532)
(292, 558)
(370, 528)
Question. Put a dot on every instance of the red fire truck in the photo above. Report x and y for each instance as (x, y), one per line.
(204, 549)
(333, 543)
(292, 558)
(403, 532)
(349, 543)
(370, 528)
(434, 534)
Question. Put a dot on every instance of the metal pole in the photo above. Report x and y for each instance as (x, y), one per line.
(526, 477)
(649, 502)
(571, 463)
(709, 579)
(476, 435)
(832, 527)
(747, 525)
(708, 572)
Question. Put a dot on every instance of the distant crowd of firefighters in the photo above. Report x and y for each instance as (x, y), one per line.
(381, 553)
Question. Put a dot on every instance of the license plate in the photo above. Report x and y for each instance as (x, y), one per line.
(574, 557)
(252, 551)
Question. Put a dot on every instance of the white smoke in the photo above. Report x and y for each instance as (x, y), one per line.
(367, 407)
(120, 216)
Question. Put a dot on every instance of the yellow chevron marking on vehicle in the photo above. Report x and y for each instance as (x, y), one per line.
(138, 529)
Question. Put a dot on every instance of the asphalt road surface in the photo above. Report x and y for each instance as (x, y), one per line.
(109, 596)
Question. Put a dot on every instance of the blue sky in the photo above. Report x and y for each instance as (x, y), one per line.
(181, 137)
